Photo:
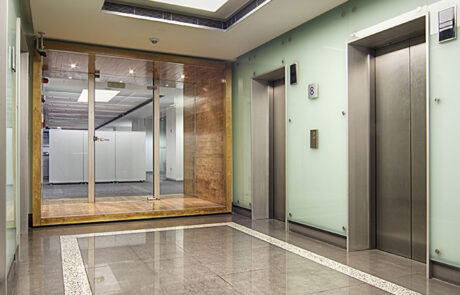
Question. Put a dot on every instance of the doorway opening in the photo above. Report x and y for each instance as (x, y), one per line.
(268, 127)
(387, 141)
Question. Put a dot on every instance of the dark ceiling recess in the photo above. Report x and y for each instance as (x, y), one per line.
(181, 18)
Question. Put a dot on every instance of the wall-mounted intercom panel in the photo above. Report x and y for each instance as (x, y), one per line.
(447, 24)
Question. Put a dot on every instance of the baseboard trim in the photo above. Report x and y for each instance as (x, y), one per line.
(318, 234)
(445, 272)
(242, 211)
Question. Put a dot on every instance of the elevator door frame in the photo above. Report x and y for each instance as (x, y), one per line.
(361, 233)
(260, 154)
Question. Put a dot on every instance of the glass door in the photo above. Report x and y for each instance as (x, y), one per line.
(64, 133)
(123, 130)
(177, 139)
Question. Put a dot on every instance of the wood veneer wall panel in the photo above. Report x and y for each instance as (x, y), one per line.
(210, 163)
(36, 138)
(189, 139)
(229, 135)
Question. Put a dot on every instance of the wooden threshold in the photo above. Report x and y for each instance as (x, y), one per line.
(131, 216)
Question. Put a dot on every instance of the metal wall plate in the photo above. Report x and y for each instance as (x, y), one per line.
(313, 90)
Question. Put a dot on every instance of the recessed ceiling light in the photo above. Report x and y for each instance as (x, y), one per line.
(70, 77)
(131, 71)
(73, 66)
(182, 76)
(208, 5)
(102, 95)
(121, 81)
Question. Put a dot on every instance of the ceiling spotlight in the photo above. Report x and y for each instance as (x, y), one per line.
(182, 76)
(73, 66)
(154, 40)
(131, 71)
(121, 81)
(70, 77)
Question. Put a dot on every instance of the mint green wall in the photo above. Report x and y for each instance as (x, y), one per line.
(445, 147)
(317, 179)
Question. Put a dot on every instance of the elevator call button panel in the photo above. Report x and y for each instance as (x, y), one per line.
(314, 138)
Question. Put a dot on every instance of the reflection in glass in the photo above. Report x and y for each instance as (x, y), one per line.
(11, 148)
(64, 129)
(172, 138)
(124, 128)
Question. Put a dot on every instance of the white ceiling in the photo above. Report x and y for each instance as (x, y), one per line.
(82, 21)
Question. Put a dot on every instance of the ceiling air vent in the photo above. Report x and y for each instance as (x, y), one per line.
(180, 18)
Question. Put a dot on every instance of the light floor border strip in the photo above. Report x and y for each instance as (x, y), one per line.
(76, 280)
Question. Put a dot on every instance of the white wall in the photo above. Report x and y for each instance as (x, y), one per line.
(130, 155)
(175, 140)
(147, 126)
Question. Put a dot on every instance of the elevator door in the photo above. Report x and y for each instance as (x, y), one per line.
(401, 149)
(277, 150)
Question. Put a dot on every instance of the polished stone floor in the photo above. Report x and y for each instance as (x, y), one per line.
(203, 261)
(208, 260)
(111, 189)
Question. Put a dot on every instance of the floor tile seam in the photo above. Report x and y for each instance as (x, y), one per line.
(230, 284)
(148, 230)
(334, 265)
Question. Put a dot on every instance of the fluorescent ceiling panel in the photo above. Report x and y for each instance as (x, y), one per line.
(101, 95)
(207, 5)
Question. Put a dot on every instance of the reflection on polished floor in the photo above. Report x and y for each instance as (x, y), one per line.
(168, 257)
(114, 205)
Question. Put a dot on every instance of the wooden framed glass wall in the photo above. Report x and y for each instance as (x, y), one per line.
(155, 135)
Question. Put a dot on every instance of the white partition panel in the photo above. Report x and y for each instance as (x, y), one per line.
(105, 156)
(130, 155)
(66, 156)
(85, 156)
(9, 159)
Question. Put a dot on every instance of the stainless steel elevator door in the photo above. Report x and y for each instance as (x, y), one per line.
(418, 149)
(400, 149)
(279, 127)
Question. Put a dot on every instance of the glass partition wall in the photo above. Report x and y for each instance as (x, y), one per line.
(119, 135)
(64, 130)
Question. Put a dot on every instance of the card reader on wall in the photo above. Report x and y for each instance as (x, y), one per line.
(293, 73)
(447, 24)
